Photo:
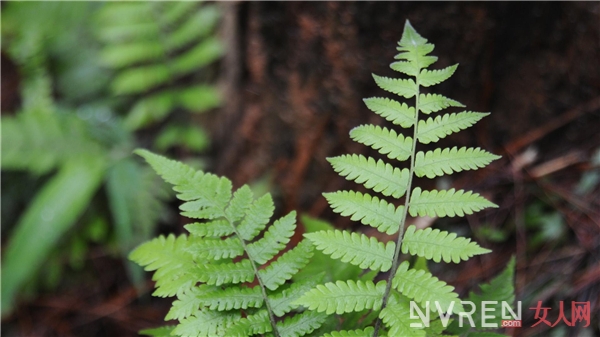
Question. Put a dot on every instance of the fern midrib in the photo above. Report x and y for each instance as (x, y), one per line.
(396, 260)
(260, 281)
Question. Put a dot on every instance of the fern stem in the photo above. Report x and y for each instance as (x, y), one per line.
(396, 260)
(260, 282)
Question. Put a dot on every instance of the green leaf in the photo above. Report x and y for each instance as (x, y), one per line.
(429, 103)
(428, 78)
(258, 323)
(283, 300)
(232, 272)
(206, 323)
(376, 175)
(436, 245)
(199, 98)
(358, 249)
(424, 287)
(301, 324)
(408, 68)
(370, 210)
(167, 254)
(122, 55)
(410, 37)
(216, 249)
(149, 110)
(203, 54)
(286, 266)
(341, 297)
(446, 203)
(188, 302)
(433, 130)
(450, 160)
(196, 27)
(140, 79)
(257, 217)
(239, 204)
(52, 212)
(399, 114)
(351, 333)
(396, 317)
(386, 141)
(232, 298)
(215, 228)
(403, 87)
(274, 240)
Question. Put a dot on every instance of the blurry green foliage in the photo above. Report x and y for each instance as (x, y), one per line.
(67, 135)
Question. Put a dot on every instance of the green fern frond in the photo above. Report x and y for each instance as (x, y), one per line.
(274, 240)
(376, 175)
(215, 228)
(429, 103)
(286, 266)
(257, 217)
(428, 78)
(168, 255)
(424, 287)
(231, 272)
(396, 317)
(252, 325)
(187, 302)
(217, 249)
(446, 203)
(301, 324)
(206, 323)
(402, 87)
(283, 301)
(432, 130)
(341, 297)
(384, 140)
(437, 245)
(447, 161)
(370, 210)
(395, 112)
(232, 298)
(351, 333)
(357, 249)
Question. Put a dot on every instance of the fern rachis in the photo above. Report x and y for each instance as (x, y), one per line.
(403, 283)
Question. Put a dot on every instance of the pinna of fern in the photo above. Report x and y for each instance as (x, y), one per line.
(389, 299)
(215, 271)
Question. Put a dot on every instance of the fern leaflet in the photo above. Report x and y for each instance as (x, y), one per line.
(446, 203)
(341, 297)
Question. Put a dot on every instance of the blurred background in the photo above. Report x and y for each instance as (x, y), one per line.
(263, 92)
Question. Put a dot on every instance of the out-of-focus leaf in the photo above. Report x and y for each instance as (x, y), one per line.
(194, 138)
(150, 110)
(203, 54)
(199, 98)
(137, 80)
(53, 211)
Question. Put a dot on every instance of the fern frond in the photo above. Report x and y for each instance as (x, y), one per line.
(206, 323)
(239, 204)
(376, 175)
(232, 298)
(252, 325)
(402, 87)
(216, 249)
(286, 266)
(432, 130)
(257, 217)
(301, 324)
(357, 249)
(215, 228)
(351, 333)
(384, 140)
(437, 245)
(274, 240)
(341, 297)
(283, 300)
(424, 287)
(446, 203)
(428, 78)
(396, 317)
(231, 272)
(370, 210)
(450, 160)
(429, 103)
(395, 112)
(187, 302)
(167, 254)
(170, 284)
